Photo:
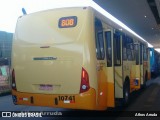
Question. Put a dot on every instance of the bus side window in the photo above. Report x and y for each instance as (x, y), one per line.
(124, 47)
(98, 53)
(117, 50)
(145, 57)
(137, 53)
(108, 48)
(99, 40)
(141, 47)
(129, 48)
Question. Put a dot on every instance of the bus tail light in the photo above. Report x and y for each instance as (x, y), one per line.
(13, 80)
(84, 81)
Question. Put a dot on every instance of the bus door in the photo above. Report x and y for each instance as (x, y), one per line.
(117, 47)
(146, 66)
(108, 33)
(138, 66)
(141, 65)
(101, 75)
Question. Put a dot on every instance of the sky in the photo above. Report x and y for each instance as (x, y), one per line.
(10, 10)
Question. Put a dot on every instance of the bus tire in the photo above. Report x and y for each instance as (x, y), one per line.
(126, 93)
(146, 76)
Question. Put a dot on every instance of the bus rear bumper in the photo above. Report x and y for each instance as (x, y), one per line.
(86, 100)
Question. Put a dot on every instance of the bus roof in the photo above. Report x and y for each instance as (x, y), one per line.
(106, 17)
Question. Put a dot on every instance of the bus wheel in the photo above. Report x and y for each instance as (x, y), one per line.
(126, 93)
(146, 77)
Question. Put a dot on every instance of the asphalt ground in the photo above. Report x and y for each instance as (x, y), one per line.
(144, 105)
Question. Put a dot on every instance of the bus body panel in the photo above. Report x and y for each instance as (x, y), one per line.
(56, 69)
(76, 101)
(54, 57)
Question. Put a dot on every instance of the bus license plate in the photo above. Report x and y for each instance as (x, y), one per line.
(46, 87)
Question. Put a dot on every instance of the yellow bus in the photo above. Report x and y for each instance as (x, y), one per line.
(75, 58)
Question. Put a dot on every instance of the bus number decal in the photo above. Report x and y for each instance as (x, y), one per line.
(66, 22)
(63, 98)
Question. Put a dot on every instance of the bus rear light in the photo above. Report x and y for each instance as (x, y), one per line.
(84, 81)
(13, 80)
